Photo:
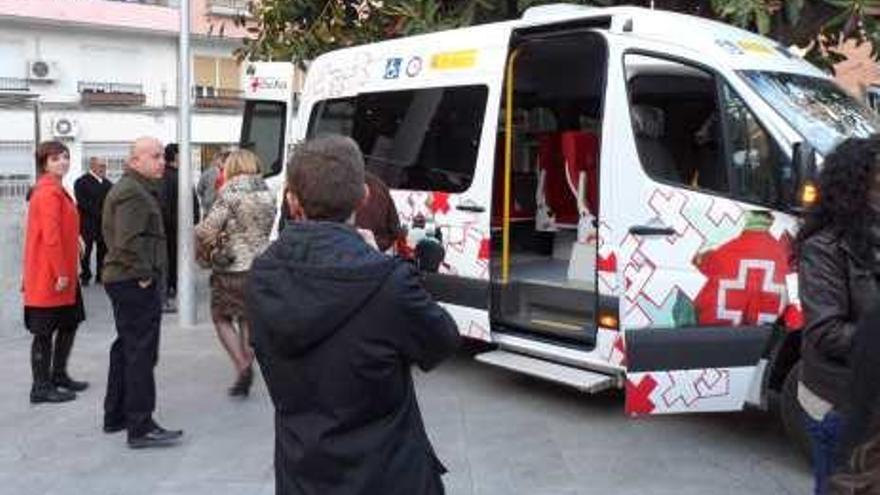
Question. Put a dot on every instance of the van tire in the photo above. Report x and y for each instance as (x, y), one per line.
(791, 413)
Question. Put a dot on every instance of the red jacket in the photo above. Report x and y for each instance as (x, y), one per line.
(51, 245)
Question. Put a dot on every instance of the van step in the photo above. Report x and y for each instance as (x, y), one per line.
(583, 380)
(578, 329)
(523, 297)
(557, 298)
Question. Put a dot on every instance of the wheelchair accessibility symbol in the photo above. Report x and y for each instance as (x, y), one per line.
(392, 68)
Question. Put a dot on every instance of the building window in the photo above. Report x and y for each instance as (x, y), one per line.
(423, 139)
(216, 74)
(115, 154)
(17, 169)
(217, 83)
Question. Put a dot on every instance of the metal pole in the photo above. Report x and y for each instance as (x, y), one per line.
(37, 121)
(37, 131)
(185, 260)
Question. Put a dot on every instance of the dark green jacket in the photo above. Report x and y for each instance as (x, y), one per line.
(133, 230)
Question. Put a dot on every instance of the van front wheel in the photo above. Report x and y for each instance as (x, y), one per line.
(791, 413)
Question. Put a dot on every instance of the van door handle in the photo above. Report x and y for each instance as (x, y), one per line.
(650, 230)
(470, 208)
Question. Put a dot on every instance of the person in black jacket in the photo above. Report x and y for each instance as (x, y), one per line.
(858, 470)
(336, 327)
(838, 254)
(169, 217)
(90, 191)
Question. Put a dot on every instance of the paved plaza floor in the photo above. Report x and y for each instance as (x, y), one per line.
(497, 432)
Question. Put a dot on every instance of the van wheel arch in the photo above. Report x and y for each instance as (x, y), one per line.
(781, 385)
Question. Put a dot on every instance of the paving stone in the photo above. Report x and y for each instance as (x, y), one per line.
(497, 432)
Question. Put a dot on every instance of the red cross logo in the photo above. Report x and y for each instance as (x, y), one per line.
(485, 246)
(607, 264)
(440, 203)
(255, 84)
(638, 397)
(753, 297)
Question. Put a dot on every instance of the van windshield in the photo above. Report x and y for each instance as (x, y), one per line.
(817, 108)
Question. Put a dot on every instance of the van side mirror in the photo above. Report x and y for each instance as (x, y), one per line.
(803, 161)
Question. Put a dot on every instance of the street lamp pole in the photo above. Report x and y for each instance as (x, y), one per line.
(185, 258)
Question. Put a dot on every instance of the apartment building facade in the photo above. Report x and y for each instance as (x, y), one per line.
(99, 73)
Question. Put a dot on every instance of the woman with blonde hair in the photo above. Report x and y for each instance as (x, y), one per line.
(234, 232)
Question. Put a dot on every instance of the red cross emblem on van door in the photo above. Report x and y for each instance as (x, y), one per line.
(752, 297)
(745, 281)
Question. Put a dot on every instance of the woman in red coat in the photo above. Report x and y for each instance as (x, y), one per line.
(52, 300)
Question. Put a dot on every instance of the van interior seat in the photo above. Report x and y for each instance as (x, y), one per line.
(649, 127)
(522, 203)
(555, 193)
(580, 149)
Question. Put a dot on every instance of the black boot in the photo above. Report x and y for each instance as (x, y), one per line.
(242, 386)
(43, 390)
(60, 378)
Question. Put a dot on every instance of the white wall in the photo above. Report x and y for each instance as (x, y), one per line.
(81, 54)
(18, 124)
(216, 128)
(99, 56)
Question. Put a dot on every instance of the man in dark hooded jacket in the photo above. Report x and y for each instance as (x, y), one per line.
(336, 327)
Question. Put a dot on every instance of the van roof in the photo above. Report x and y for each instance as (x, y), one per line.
(730, 45)
(346, 70)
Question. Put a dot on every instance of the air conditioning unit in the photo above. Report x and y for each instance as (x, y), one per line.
(42, 70)
(65, 128)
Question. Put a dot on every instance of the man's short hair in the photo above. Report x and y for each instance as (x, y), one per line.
(171, 151)
(326, 175)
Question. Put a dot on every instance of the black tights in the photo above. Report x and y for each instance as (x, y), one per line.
(46, 362)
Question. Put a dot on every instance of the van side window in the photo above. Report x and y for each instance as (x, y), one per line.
(422, 139)
(686, 133)
(758, 167)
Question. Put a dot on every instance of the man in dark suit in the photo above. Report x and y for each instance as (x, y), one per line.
(169, 202)
(90, 190)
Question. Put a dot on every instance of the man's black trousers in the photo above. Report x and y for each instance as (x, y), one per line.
(92, 238)
(131, 387)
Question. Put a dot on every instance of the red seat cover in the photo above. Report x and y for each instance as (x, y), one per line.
(580, 151)
(557, 194)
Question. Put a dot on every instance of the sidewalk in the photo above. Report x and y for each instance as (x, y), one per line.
(497, 432)
(55, 449)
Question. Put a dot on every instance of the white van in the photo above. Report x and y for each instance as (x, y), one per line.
(615, 189)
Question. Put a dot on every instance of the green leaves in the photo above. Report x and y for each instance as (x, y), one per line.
(300, 30)
(749, 14)
(793, 10)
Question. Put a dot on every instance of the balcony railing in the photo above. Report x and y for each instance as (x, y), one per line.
(100, 93)
(14, 84)
(228, 7)
(210, 97)
(14, 186)
(162, 3)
